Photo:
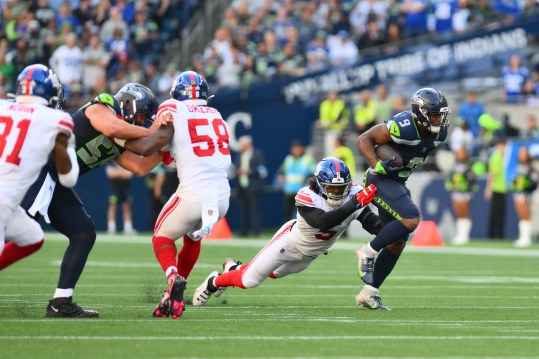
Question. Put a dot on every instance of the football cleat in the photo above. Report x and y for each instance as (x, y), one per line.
(203, 293)
(172, 305)
(162, 309)
(371, 302)
(229, 263)
(65, 308)
(365, 266)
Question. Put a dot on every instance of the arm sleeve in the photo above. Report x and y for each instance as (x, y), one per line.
(370, 221)
(317, 218)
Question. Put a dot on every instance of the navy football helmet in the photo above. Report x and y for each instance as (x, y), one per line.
(333, 179)
(190, 86)
(427, 102)
(138, 104)
(39, 84)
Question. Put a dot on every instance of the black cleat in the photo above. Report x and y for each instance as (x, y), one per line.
(65, 308)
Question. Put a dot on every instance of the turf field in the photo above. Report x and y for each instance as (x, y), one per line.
(478, 301)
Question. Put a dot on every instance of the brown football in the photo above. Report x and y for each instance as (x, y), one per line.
(385, 151)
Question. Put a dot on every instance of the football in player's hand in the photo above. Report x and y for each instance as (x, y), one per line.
(385, 151)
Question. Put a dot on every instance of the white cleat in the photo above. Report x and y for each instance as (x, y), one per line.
(365, 265)
(202, 293)
(371, 302)
(229, 263)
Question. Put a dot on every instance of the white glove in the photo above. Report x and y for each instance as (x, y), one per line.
(201, 233)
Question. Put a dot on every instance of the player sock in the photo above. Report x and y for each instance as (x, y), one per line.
(188, 256)
(165, 251)
(63, 293)
(383, 266)
(13, 252)
(230, 279)
(391, 232)
(111, 226)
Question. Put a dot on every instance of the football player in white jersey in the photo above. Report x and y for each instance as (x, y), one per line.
(198, 140)
(325, 210)
(31, 127)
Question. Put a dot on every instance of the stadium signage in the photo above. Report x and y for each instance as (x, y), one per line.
(442, 56)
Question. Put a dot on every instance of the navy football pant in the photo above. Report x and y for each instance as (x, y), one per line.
(69, 217)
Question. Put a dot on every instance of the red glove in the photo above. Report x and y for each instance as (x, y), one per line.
(166, 157)
(366, 196)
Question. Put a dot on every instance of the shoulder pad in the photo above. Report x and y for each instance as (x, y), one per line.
(303, 197)
(402, 128)
(109, 101)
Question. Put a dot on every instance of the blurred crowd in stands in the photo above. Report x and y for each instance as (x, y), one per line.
(98, 46)
(93, 45)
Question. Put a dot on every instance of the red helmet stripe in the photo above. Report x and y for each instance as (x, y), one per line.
(29, 79)
(337, 168)
(193, 85)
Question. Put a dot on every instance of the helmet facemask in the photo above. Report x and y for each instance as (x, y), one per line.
(338, 191)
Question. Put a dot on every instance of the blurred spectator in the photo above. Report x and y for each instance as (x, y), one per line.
(293, 174)
(154, 183)
(96, 60)
(152, 79)
(385, 104)
(345, 154)
(293, 63)
(509, 8)
(250, 171)
(145, 37)
(522, 185)
(442, 13)
(317, 53)
(392, 39)
(531, 8)
(496, 190)
(416, 17)
(399, 105)
(461, 184)
(462, 17)
(113, 22)
(342, 50)
(515, 81)
(368, 11)
(470, 110)
(65, 17)
(165, 81)
(372, 37)
(462, 137)
(120, 182)
(42, 12)
(67, 61)
(334, 117)
(118, 46)
(365, 112)
(532, 129)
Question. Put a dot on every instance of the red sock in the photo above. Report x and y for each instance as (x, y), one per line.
(13, 252)
(188, 256)
(165, 251)
(232, 278)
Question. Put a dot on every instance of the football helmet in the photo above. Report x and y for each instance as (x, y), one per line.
(190, 86)
(39, 84)
(138, 104)
(333, 180)
(427, 102)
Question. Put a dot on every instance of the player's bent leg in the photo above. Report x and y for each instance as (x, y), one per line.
(25, 236)
(188, 256)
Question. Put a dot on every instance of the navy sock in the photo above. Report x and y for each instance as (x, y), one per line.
(385, 262)
(390, 232)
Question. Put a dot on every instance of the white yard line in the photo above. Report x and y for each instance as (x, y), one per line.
(268, 338)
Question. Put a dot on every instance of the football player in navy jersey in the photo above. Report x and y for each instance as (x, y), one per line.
(414, 134)
(101, 128)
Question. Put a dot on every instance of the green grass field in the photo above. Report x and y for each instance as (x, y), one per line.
(477, 301)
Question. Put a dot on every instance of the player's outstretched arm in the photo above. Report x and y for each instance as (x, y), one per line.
(137, 164)
(65, 159)
(378, 134)
(107, 123)
(152, 143)
(317, 218)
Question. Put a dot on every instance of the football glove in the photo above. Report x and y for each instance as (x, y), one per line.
(384, 167)
(363, 198)
(166, 157)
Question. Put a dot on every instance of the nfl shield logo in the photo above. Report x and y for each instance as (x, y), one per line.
(210, 212)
